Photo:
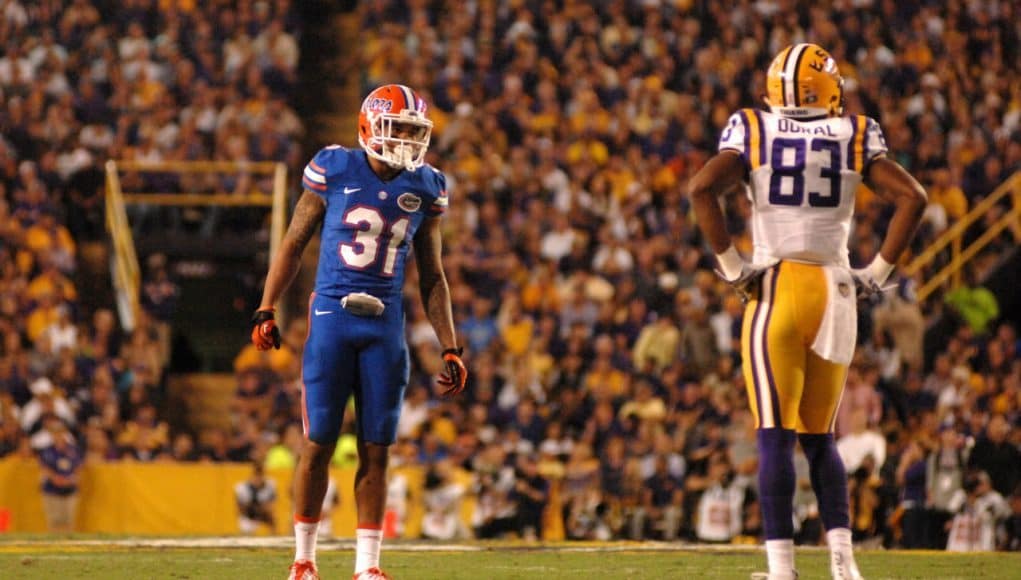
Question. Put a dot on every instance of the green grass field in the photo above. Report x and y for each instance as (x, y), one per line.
(122, 559)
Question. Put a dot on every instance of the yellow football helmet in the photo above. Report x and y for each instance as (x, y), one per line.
(803, 82)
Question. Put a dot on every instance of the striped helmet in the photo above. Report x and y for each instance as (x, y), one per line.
(393, 128)
(803, 82)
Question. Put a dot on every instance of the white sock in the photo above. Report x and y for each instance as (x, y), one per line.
(841, 549)
(367, 547)
(305, 534)
(780, 555)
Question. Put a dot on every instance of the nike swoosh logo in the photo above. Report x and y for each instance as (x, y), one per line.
(321, 312)
(351, 189)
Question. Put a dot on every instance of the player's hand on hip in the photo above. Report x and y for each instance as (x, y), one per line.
(454, 375)
(868, 281)
(265, 334)
(866, 287)
(746, 283)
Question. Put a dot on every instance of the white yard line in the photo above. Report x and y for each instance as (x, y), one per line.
(286, 542)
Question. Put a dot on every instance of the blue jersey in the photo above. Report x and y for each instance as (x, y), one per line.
(369, 223)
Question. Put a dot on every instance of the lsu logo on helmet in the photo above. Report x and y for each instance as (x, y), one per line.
(393, 127)
(804, 81)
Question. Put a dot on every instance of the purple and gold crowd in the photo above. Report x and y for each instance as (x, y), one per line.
(83, 81)
(605, 398)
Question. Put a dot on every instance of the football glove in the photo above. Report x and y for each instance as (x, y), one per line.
(455, 374)
(868, 281)
(265, 334)
(747, 282)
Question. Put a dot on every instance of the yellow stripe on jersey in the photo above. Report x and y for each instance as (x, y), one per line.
(859, 143)
(755, 138)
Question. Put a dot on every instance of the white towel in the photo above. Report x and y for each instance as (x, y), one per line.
(838, 331)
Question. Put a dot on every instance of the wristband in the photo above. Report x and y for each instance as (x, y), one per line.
(880, 269)
(731, 263)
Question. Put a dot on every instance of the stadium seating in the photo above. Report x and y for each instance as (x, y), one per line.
(568, 131)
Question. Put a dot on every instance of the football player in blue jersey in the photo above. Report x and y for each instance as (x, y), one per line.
(372, 204)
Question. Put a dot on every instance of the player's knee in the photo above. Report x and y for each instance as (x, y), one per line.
(815, 444)
(319, 445)
(322, 430)
(375, 456)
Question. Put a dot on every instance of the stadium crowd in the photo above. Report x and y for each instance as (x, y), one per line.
(83, 81)
(604, 358)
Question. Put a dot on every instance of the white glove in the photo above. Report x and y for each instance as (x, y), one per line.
(741, 275)
(869, 280)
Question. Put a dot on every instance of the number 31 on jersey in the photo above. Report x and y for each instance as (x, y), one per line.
(363, 252)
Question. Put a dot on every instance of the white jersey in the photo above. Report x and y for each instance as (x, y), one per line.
(719, 513)
(803, 176)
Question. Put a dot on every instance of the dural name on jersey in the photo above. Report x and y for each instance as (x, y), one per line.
(369, 223)
(803, 176)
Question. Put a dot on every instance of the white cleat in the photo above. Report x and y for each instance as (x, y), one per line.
(844, 568)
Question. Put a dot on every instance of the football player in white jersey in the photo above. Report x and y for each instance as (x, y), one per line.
(802, 162)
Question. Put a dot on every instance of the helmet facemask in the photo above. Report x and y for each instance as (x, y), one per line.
(398, 139)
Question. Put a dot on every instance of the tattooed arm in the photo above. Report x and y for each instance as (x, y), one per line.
(307, 214)
(432, 282)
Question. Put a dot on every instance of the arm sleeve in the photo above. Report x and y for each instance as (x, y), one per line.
(735, 135)
(324, 169)
(875, 143)
(439, 206)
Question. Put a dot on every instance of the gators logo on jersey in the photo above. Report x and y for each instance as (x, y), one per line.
(409, 202)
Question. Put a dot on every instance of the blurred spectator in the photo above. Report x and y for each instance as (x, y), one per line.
(658, 345)
(414, 412)
(183, 448)
(975, 304)
(944, 475)
(159, 298)
(60, 461)
(443, 495)
(979, 513)
(721, 505)
(46, 402)
(860, 396)
(660, 512)
(864, 501)
(495, 511)
(587, 516)
(860, 443)
(911, 473)
(283, 454)
(255, 498)
(252, 397)
(532, 492)
(1013, 525)
(396, 513)
(331, 499)
(997, 457)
